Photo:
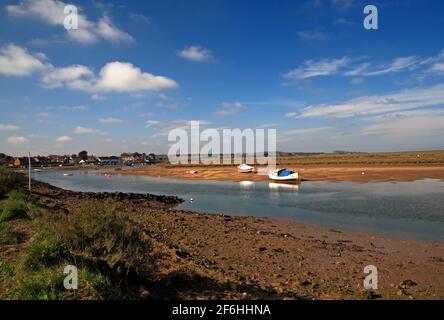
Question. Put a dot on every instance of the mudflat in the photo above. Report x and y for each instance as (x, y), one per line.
(343, 172)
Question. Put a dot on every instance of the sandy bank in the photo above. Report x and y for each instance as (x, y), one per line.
(353, 173)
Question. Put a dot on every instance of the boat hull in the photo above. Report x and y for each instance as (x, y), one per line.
(291, 177)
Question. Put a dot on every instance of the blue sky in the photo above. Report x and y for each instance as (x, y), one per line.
(136, 69)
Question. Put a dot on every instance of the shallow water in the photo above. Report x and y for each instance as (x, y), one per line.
(405, 210)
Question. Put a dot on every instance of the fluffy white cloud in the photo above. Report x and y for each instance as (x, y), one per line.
(107, 30)
(17, 140)
(111, 121)
(51, 12)
(122, 77)
(8, 127)
(227, 109)
(63, 139)
(114, 76)
(196, 53)
(16, 61)
(57, 77)
(367, 105)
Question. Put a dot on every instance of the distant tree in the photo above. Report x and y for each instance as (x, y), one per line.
(152, 156)
(83, 155)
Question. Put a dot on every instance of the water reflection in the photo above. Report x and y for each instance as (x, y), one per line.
(411, 210)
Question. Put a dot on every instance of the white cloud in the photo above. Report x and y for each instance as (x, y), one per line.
(16, 61)
(51, 12)
(323, 67)
(57, 77)
(63, 139)
(98, 97)
(150, 123)
(196, 53)
(8, 127)
(227, 109)
(350, 67)
(397, 65)
(111, 121)
(138, 17)
(122, 77)
(82, 130)
(17, 140)
(367, 105)
(107, 30)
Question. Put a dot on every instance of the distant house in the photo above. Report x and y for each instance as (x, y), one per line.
(6, 160)
(23, 162)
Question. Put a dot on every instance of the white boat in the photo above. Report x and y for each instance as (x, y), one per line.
(283, 175)
(68, 174)
(245, 168)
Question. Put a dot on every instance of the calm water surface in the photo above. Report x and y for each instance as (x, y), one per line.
(406, 210)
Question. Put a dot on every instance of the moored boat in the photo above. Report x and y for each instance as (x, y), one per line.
(283, 175)
(245, 168)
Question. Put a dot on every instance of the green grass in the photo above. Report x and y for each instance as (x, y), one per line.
(9, 180)
(99, 238)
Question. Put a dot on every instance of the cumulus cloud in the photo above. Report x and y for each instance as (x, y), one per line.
(57, 77)
(227, 109)
(195, 53)
(64, 139)
(17, 140)
(112, 121)
(8, 127)
(17, 61)
(51, 12)
(114, 76)
(122, 77)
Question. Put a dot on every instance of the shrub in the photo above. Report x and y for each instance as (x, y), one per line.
(44, 253)
(102, 231)
(9, 180)
(8, 235)
(14, 207)
(45, 284)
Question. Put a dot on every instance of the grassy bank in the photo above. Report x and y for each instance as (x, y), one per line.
(37, 243)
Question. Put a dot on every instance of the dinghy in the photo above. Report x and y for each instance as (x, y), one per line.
(245, 168)
(283, 175)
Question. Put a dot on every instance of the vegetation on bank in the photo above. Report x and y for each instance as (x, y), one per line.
(36, 244)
